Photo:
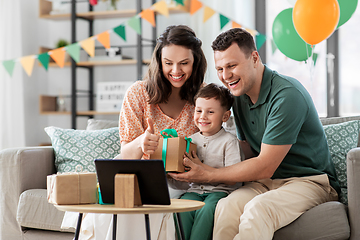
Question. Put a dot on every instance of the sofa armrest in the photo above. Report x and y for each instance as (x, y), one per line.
(30, 165)
(20, 169)
(353, 179)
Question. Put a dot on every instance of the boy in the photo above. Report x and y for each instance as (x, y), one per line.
(216, 148)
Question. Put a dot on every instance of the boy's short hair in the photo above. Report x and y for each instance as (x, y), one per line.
(220, 93)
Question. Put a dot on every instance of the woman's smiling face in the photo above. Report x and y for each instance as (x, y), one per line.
(177, 64)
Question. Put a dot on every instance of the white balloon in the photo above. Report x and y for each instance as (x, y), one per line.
(292, 2)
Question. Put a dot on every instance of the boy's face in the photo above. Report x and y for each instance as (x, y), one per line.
(209, 115)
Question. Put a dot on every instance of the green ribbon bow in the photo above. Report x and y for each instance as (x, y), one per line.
(167, 133)
(188, 140)
(171, 133)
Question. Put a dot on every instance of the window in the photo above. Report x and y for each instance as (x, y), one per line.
(349, 83)
(312, 77)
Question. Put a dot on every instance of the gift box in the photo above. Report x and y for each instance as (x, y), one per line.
(172, 153)
(72, 188)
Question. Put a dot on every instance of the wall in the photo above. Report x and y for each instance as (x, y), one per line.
(34, 33)
(41, 32)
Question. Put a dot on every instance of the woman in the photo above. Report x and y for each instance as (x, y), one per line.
(163, 100)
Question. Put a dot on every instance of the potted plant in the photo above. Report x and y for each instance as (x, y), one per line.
(61, 43)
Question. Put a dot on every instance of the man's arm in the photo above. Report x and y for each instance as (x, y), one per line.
(256, 168)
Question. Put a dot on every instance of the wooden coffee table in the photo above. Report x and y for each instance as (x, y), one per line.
(176, 206)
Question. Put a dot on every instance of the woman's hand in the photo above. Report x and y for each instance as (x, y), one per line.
(146, 143)
(149, 141)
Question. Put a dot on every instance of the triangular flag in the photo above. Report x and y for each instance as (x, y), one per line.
(260, 40)
(74, 51)
(120, 30)
(9, 66)
(315, 57)
(59, 56)
(44, 60)
(236, 25)
(104, 39)
(180, 2)
(195, 5)
(162, 8)
(134, 23)
(28, 64)
(251, 31)
(273, 46)
(223, 21)
(89, 46)
(208, 12)
(149, 16)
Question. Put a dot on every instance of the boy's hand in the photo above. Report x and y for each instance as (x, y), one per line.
(193, 157)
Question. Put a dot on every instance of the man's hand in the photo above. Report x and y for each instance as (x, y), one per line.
(197, 173)
(149, 141)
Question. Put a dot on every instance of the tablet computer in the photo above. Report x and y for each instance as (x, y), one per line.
(150, 174)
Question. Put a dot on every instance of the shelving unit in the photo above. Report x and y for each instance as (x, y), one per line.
(45, 8)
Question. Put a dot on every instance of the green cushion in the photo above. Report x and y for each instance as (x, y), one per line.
(75, 148)
(341, 138)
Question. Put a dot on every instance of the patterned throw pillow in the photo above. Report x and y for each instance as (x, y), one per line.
(341, 138)
(74, 148)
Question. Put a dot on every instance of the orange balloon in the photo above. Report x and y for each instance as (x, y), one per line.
(315, 20)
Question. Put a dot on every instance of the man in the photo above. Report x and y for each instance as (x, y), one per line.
(290, 170)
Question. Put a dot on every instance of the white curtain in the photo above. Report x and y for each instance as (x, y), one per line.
(240, 11)
(12, 130)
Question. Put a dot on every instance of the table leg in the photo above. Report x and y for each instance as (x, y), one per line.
(78, 226)
(114, 226)
(147, 225)
(179, 224)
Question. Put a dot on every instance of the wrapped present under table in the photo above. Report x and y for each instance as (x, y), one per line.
(72, 188)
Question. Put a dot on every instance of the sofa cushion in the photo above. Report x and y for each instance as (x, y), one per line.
(96, 124)
(327, 221)
(75, 148)
(341, 138)
(34, 211)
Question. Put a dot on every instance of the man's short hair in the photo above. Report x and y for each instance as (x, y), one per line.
(217, 92)
(244, 40)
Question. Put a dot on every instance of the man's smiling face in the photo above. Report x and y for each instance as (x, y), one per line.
(236, 70)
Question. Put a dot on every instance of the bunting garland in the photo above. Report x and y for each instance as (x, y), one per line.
(104, 39)
(28, 64)
(88, 45)
(223, 21)
(120, 30)
(161, 7)
(134, 23)
(9, 66)
(195, 6)
(58, 55)
(74, 51)
(44, 59)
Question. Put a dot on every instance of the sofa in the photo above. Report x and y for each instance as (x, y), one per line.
(26, 214)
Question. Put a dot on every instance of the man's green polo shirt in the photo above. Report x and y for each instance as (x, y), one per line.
(285, 114)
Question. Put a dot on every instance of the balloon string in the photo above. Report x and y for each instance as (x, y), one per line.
(311, 67)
